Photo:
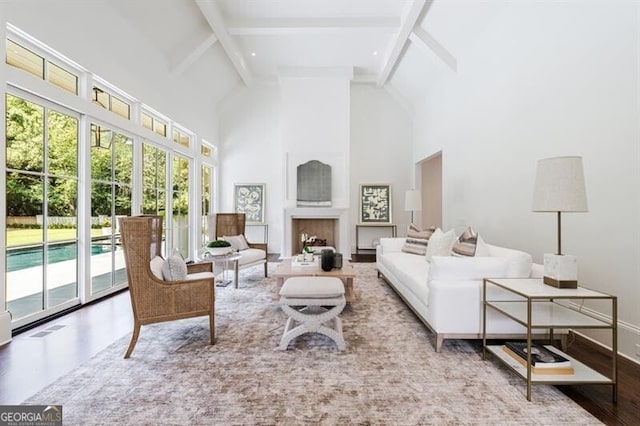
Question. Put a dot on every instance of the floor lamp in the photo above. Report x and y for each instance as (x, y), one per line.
(412, 201)
(560, 188)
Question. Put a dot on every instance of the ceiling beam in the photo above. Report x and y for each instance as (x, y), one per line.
(426, 40)
(409, 20)
(181, 65)
(216, 22)
(288, 26)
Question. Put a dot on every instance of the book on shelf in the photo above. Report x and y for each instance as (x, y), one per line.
(544, 361)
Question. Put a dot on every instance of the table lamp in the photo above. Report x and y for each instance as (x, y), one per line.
(412, 201)
(559, 188)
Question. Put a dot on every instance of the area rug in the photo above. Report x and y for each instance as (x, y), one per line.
(389, 373)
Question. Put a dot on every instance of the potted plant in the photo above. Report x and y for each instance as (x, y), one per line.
(219, 247)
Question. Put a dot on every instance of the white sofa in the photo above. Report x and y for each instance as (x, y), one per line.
(446, 293)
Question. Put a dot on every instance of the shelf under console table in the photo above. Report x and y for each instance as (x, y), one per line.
(536, 305)
(392, 228)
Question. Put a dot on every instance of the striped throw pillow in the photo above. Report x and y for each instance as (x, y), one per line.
(417, 239)
(466, 244)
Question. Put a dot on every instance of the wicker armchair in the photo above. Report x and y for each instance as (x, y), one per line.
(229, 224)
(155, 300)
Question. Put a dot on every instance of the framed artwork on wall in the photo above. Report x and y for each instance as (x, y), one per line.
(249, 198)
(375, 203)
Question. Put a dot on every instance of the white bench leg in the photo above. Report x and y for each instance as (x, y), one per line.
(312, 319)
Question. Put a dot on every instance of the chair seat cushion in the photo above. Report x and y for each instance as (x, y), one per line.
(251, 255)
(312, 288)
(200, 276)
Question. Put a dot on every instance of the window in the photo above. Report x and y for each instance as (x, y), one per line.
(32, 63)
(154, 124)
(41, 213)
(181, 138)
(114, 104)
(62, 78)
(24, 59)
(180, 204)
(205, 151)
(206, 194)
(111, 192)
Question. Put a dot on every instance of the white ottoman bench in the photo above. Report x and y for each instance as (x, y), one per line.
(304, 300)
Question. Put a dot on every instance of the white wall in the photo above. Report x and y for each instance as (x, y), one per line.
(315, 122)
(253, 149)
(250, 152)
(381, 137)
(543, 79)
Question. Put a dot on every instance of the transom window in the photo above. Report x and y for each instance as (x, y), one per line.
(154, 124)
(26, 60)
(111, 102)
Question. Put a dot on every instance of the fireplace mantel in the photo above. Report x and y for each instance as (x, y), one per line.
(342, 215)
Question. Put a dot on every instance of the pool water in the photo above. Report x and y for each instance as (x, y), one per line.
(29, 257)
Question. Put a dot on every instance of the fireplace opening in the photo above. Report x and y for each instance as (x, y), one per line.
(325, 230)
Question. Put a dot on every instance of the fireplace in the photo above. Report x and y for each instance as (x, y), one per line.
(327, 223)
(325, 230)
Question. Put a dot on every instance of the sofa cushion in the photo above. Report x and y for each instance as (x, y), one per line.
(440, 243)
(466, 243)
(238, 242)
(417, 239)
(519, 262)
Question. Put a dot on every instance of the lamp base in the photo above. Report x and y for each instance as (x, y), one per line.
(561, 270)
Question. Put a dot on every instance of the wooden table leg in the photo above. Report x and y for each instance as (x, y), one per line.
(349, 294)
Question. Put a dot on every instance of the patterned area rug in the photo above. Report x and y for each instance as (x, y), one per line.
(389, 374)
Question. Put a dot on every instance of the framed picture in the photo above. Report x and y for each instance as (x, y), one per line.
(249, 199)
(375, 203)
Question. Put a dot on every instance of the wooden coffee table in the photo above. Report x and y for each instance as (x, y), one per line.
(286, 270)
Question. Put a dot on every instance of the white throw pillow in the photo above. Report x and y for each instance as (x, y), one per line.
(156, 265)
(482, 250)
(440, 244)
(238, 242)
(174, 268)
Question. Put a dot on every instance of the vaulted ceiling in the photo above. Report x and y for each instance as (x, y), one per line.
(230, 43)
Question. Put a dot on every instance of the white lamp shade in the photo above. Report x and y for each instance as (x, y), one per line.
(560, 185)
(412, 200)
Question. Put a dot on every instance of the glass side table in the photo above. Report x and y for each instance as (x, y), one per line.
(226, 262)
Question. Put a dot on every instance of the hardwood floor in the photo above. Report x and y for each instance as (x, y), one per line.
(40, 355)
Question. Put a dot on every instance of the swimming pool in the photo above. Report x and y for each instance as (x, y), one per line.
(23, 258)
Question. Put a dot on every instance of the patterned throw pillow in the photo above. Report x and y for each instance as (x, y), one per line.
(466, 243)
(440, 244)
(238, 242)
(174, 268)
(417, 239)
